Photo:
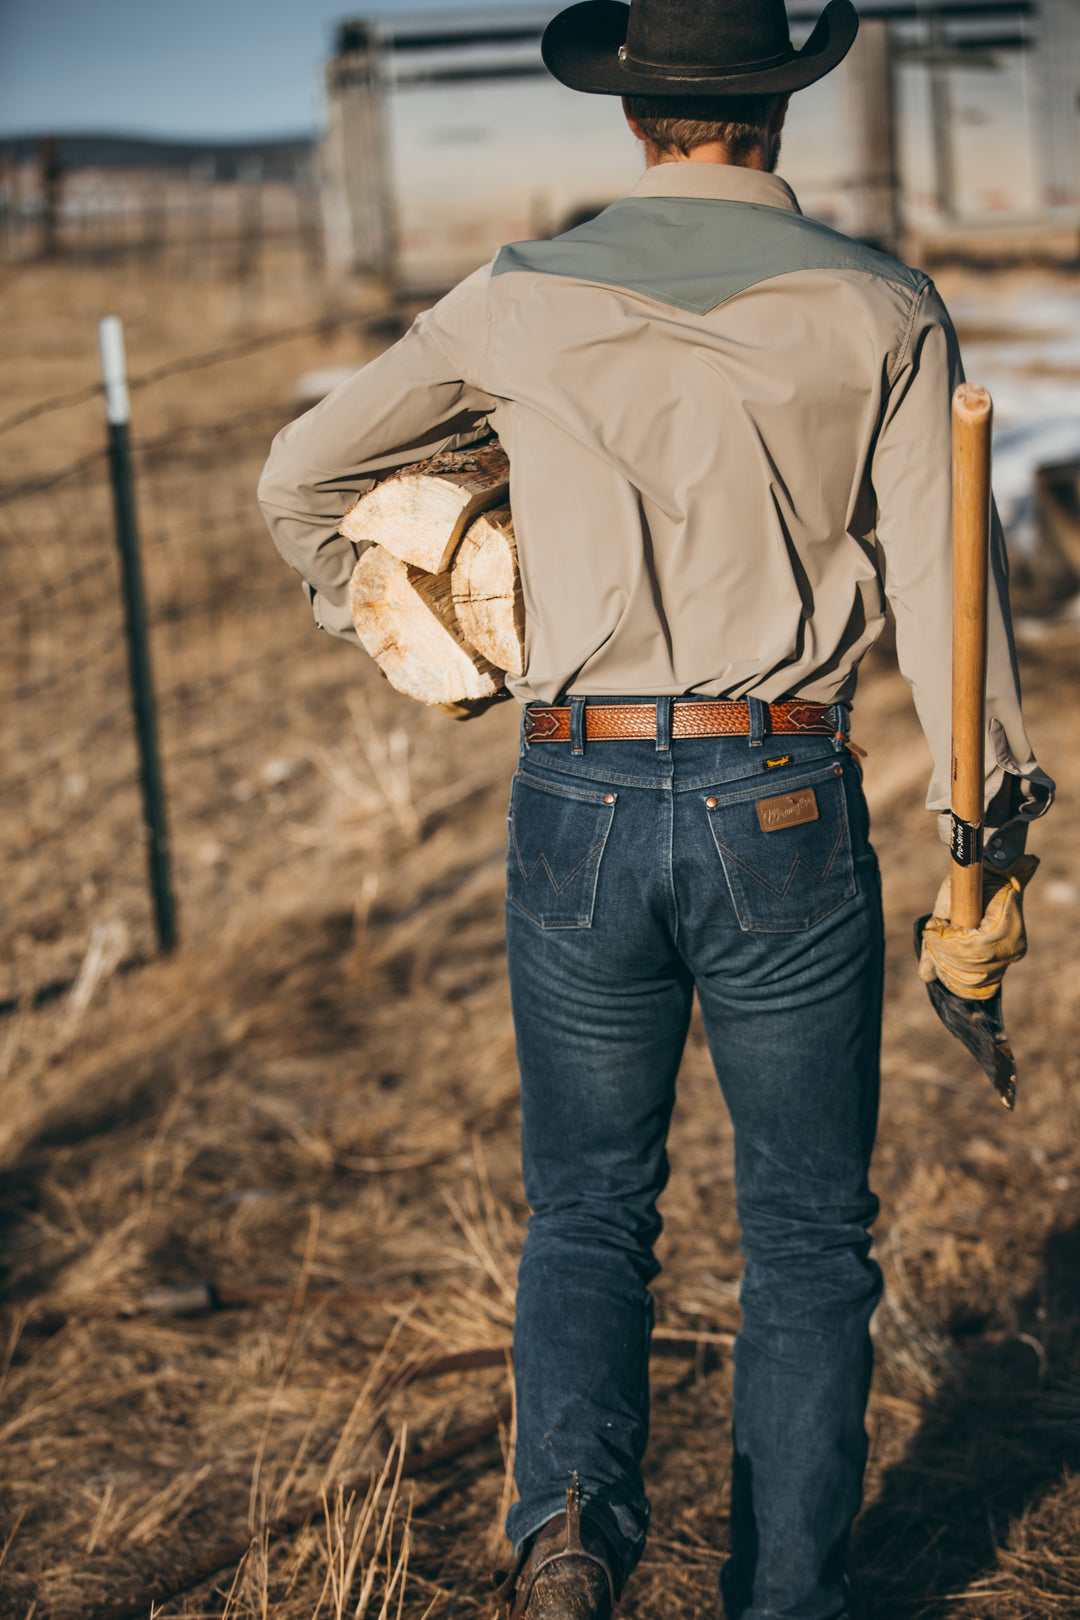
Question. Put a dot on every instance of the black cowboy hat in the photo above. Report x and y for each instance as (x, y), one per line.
(692, 47)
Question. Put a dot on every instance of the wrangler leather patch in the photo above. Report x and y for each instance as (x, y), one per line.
(787, 810)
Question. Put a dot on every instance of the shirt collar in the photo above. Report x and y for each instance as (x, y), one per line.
(723, 182)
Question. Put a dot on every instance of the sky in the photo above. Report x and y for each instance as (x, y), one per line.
(175, 68)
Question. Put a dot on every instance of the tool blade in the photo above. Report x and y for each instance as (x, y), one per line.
(978, 1025)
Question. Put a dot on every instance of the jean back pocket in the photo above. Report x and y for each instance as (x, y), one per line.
(557, 837)
(786, 856)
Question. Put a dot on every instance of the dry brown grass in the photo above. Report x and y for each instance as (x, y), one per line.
(318, 1093)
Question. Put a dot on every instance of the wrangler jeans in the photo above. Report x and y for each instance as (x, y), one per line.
(637, 873)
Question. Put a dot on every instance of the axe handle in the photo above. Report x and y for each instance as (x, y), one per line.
(971, 418)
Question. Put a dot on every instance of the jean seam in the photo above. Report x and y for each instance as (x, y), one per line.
(622, 778)
(808, 778)
(669, 866)
(559, 791)
(748, 774)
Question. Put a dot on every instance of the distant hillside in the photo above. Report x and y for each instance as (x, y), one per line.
(279, 158)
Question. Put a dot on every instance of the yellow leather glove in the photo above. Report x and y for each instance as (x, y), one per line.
(971, 962)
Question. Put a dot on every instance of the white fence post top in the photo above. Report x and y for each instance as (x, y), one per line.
(114, 369)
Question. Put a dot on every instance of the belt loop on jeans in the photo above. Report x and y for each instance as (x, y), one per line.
(577, 725)
(757, 721)
(841, 714)
(663, 724)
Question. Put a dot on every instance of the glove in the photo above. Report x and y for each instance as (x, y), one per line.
(971, 962)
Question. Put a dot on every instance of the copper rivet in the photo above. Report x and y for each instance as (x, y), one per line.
(710, 804)
(609, 798)
(837, 770)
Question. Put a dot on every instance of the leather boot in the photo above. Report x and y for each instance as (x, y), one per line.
(565, 1573)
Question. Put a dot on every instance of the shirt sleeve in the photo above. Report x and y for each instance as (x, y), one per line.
(912, 478)
(407, 404)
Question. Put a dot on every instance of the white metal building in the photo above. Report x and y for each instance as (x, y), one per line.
(446, 137)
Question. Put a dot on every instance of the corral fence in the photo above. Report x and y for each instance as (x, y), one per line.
(224, 621)
(204, 218)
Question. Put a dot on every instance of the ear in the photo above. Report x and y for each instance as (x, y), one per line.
(635, 127)
(779, 115)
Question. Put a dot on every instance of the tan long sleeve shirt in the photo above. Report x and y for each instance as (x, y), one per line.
(729, 440)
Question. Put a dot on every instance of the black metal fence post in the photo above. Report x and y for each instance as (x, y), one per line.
(118, 414)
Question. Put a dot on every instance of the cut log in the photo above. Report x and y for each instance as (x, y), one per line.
(412, 636)
(420, 513)
(487, 591)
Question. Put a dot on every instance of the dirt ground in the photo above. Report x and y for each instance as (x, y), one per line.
(312, 1106)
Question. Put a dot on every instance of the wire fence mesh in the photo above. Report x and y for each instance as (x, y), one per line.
(194, 222)
(222, 614)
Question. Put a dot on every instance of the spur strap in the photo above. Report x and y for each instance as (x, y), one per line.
(559, 1538)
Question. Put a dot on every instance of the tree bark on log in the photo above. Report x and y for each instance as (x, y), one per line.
(420, 513)
(486, 591)
(405, 620)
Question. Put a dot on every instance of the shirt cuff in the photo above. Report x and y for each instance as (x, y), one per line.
(332, 617)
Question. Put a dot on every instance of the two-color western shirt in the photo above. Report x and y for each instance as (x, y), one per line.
(729, 439)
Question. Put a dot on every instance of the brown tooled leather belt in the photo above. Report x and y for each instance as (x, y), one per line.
(712, 717)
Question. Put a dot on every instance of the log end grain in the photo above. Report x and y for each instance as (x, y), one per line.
(413, 644)
(420, 513)
(486, 589)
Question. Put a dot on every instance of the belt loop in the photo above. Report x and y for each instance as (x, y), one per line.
(757, 721)
(840, 715)
(663, 724)
(524, 740)
(577, 725)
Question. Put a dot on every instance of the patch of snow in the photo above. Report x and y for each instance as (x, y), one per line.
(276, 771)
(1024, 309)
(1036, 400)
(315, 385)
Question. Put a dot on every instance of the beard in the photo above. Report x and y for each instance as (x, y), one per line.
(772, 154)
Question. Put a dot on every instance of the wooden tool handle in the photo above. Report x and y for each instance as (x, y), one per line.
(971, 417)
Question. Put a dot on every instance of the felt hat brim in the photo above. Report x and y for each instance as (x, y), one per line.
(581, 48)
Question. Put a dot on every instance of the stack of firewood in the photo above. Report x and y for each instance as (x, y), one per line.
(435, 596)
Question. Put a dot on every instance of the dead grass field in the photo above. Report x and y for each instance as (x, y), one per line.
(316, 1099)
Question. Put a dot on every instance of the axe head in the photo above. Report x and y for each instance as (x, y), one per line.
(978, 1025)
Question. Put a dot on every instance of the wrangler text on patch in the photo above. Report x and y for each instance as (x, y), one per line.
(787, 810)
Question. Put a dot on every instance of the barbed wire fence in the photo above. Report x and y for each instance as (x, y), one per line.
(222, 616)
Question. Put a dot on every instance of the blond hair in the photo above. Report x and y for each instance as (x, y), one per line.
(679, 123)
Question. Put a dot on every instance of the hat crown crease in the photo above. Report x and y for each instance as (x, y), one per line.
(698, 39)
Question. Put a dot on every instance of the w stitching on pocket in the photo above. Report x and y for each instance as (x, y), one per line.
(781, 894)
(542, 860)
(793, 902)
(537, 843)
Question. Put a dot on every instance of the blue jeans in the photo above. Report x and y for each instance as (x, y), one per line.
(638, 872)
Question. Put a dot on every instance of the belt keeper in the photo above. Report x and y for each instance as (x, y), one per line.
(663, 724)
(577, 725)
